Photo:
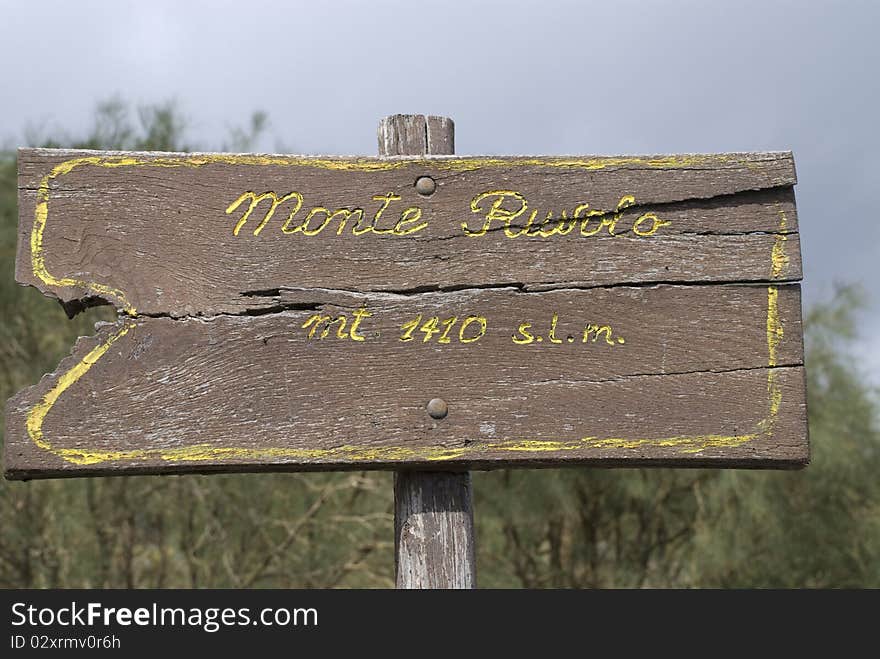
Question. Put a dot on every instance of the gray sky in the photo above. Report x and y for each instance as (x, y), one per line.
(548, 77)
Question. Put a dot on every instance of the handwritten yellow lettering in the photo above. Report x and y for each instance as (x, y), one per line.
(315, 321)
(359, 315)
(559, 226)
(507, 207)
(255, 200)
(656, 223)
(497, 212)
(552, 334)
(409, 328)
(579, 213)
(315, 211)
(343, 213)
(524, 231)
(326, 323)
(449, 322)
(596, 330)
(386, 200)
(609, 223)
(527, 337)
(566, 226)
(430, 328)
(346, 214)
(480, 320)
(408, 216)
(340, 329)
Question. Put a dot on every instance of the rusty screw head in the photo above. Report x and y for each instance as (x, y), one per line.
(425, 186)
(437, 408)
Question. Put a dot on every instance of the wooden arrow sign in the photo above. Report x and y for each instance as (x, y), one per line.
(288, 312)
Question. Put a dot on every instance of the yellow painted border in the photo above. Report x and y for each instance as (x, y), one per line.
(206, 452)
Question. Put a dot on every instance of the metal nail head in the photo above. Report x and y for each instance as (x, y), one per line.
(437, 408)
(425, 186)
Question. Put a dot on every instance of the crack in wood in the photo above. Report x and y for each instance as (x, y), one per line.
(424, 292)
(541, 386)
(702, 371)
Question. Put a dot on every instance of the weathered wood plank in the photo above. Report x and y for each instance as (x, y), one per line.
(151, 231)
(597, 310)
(683, 375)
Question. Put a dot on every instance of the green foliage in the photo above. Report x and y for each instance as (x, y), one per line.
(159, 128)
(563, 528)
(243, 139)
(579, 528)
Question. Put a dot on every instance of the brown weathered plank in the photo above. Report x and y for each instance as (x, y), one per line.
(151, 231)
(675, 340)
(704, 375)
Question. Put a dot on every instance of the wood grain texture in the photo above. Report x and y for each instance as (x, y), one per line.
(416, 135)
(434, 530)
(585, 339)
(692, 384)
(153, 228)
(433, 510)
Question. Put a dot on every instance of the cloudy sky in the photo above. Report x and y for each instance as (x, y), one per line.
(546, 77)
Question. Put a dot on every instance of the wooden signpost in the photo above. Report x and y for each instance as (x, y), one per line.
(413, 311)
